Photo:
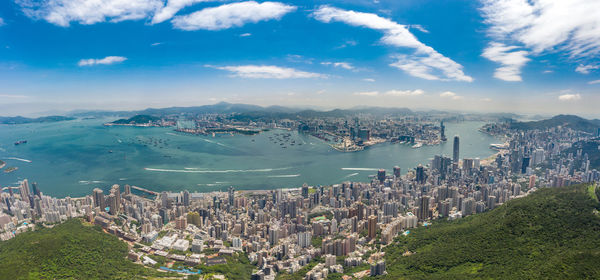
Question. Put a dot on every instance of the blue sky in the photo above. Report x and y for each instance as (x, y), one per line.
(537, 56)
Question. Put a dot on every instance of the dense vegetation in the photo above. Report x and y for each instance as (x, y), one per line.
(70, 250)
(138, 119)
(551, 234)
(238, 267)
(23, 120)
(571, 121)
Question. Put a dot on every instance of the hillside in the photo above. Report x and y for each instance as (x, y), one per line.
(571, 121)
(138, 119)
(68, 251)
(551, 234)
(590, 148)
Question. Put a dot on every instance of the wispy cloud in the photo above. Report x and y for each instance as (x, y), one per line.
(245, 34)
(415, 92)
(511, 60)
(370, 80)
(429, 64)
(594, 82)
(13, 96)
(546, 26)
(344, 65)
(232, 15)
(367, 93)
(1, 21)
(156, 44)
(585, 69)
(171, 8)
(569, 97)
(451, 95)
(267, 72)
(101, 61)
(63, 12)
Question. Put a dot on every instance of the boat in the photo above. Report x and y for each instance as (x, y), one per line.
(20, 142)
(418, 145)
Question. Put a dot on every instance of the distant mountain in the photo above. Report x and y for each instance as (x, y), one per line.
(571, 121)
(554, 233)
(24, 120)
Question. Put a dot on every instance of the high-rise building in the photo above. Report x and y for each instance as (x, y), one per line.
(420, 174)
(372, 228)
(127, 190)
(99, 198)
(186, 198)
(36, 190)
(305, 190)
(424, 212)
(231, 195)
(397, 171)
(24, 190)
(442, 131)
(112, 203)
(455, 150)
(381, 175)
(116, 191)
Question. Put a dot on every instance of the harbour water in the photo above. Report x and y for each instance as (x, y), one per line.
(71, 158)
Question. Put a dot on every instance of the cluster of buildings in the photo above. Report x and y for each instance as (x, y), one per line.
(330, 228)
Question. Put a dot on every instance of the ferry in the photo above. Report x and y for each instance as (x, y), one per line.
(20, 142)
(418, 145)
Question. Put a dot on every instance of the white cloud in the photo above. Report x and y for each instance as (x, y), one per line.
(370, 80)
(415, 92)
(594, 82)
(104, 61)
(419, 27)
(367, 93)
(572, 26)
(344, 65)
(156, 44)
(486, 99)
(245, 34)
(232, 15)
(548, 71)
(511, 60)
(172, 7)
(449, 94)
(63, 12)
(1, 21)
(569, 97)
(585, 69)
(267, 72)
(431, 64)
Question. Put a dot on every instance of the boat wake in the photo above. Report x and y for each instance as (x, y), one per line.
(284, 176)
(351, 175)
(83, 182)
(19, 159)
(359, 169)
(214, 171)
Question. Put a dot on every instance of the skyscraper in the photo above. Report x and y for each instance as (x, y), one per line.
(99, 198)
(455, 150)
(397, 171)
(372, 227)
(442, 131)
(381, 175)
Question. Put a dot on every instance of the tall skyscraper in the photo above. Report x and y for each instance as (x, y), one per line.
(24, 190)
(424, 207)
(372, 227)
(397, 171)
(442, 131)
(455, 150)
(231, 195)
(381, 175)
(99, 198)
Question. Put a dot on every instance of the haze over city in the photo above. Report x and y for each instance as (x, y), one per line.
(537, 57)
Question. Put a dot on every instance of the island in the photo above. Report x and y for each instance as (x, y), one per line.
(24, 120)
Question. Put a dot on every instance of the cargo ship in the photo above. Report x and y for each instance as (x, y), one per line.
(20, 142)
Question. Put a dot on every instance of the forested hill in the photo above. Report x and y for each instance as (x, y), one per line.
(571, 121)
(68, 251)
(553, 233)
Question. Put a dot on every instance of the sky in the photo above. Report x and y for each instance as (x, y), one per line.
(522, 56)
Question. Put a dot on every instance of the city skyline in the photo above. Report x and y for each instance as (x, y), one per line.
(484, 56)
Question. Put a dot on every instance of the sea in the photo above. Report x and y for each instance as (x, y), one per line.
(71, 158)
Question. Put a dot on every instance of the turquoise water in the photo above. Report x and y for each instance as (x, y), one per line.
(73, 157)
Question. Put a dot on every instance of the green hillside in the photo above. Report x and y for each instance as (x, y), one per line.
(138, 119)
(68, 251)
(571, 121)
(551, 234)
